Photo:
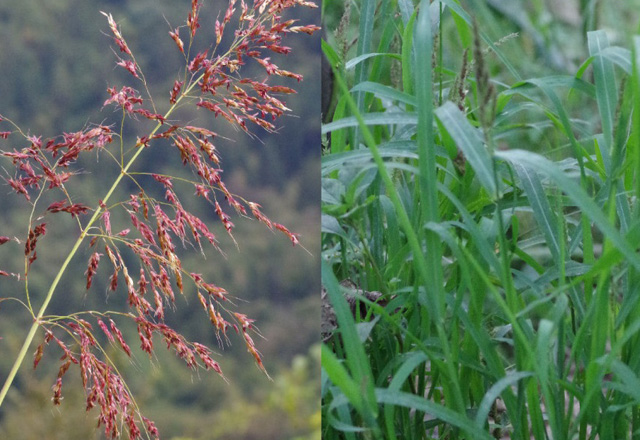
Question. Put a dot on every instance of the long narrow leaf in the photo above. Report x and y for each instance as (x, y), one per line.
(605, 80)
(441, 412)
(468, 139)
(357, 60)
(576, 194)
(386, 92)
(542, 212)
(355, 355)
(386, 118)
(494, 392)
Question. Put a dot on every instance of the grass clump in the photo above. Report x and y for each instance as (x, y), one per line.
(495, 213)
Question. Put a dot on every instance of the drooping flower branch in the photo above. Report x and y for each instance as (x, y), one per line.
(212, 80)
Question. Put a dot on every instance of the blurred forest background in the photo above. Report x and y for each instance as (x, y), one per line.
(56, 63)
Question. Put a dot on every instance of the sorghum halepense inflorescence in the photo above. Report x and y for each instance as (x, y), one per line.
(213, 80)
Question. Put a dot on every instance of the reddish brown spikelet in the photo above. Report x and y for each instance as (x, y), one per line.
(130, 66)
(57, 392)
(216, 291)
(228, 225)
(209, 149)
(269, 67)
(308, 29)
(175, 35)
(19, 188)
(197, 61)
(116, 34)
(246, 325)
(93, 267)
(201, 131)
(145, 334)
(151, 427)
(120, 339)
(105, 329)
(166, 181)
(288, 74)
(73, 209)
(292, 236)
(4, 239)
(30, 245)
(142, 283)
(134, 431)
(147, 114)
(205, 356)
(126, 98)
(230, 10)
(4, 134)
(159, 312)
(192, 20)
(38, 355)
(177, 85)
(219, 29)
(202, 191)
(106, 220)
(255, 210)
(217, 320)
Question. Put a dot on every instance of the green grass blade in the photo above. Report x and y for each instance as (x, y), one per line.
(423, 44)
(480, 241)
(385, 92)
(365, 32)
(386, 118)
(412, 361)
(362, 158)
(630, 382)
(576, 194)
(340, 377)
(494, 392)
(469, 140)
(393, 397)
(618, 55)
(407, 55)
(356, 358)
(634, 143)
(542, 212)
(605, 81)
(359, 59)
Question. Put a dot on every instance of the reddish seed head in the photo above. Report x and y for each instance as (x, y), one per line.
(130, 66)
(175, 35)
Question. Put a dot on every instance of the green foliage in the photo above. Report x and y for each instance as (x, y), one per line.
(55, 64)
(487, 186)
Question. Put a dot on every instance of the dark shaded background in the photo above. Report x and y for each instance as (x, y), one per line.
(56, 62)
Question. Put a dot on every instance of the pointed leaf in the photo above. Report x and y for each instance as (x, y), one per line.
(468, 139)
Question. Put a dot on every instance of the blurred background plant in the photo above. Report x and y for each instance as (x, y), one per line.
(56, 64)
(480, 171)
